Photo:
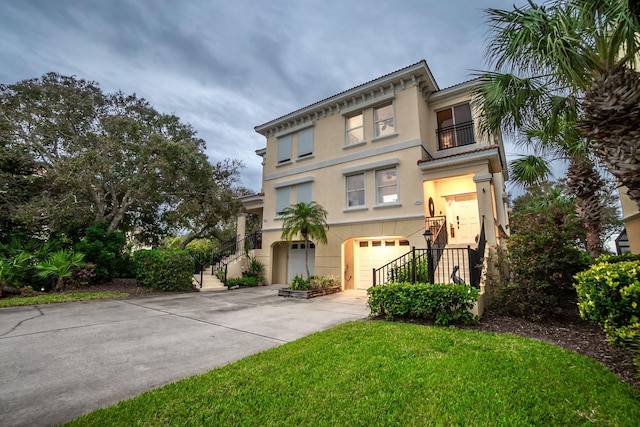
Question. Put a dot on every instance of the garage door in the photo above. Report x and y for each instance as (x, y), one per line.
(372, 254)
(296, 265)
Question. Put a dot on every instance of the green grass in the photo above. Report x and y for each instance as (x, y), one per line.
(50, 299)
(375, 373)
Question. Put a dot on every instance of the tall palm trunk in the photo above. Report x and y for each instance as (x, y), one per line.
(585, 184)
(612, 113)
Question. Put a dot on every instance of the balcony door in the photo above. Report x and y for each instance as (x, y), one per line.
(455, 127)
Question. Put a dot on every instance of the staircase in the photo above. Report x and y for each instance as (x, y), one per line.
(210, 283)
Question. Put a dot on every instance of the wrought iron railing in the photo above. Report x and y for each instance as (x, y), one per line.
(235, 249)
(456, 136)
(438, 227)
(436, 265)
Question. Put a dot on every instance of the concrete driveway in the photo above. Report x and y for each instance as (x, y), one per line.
(60, 361)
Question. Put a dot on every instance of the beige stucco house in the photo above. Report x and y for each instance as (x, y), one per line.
(387, 159)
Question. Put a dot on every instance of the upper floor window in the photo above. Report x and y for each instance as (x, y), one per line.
(304, 192)
(387, 186)
(305, 142)
(383, 121)
(284, 149)
(282, 199)
(455, 127)
(355, 190)
(355, 129)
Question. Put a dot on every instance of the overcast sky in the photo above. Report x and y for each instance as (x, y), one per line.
(227, 66)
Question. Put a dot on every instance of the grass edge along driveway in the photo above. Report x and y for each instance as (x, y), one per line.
(381, 373)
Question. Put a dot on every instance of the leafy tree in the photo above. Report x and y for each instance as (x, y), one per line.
(578, 58)
(308, 220)
(106, 249)
(105, 157)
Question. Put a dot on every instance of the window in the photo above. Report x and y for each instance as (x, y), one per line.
(305, 142)
(282, 199)
(387, 186)
(284, 149)
(303, 193)
(355, 130)
(355, 190)
(455, 127)
(383, 121)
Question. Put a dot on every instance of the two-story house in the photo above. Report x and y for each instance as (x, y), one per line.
(387, 159)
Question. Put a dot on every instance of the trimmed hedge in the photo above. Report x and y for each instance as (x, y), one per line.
(609, 295)
(442, 303)
(165, 269)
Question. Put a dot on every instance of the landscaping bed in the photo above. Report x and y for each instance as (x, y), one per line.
(308, 293)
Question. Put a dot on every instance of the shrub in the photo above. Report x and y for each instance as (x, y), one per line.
(321, 282)
(543, 256)
(441, 303)
(106, 249)
(165, 269)
(404, 273)
(243, 281)
(299, 284)
(609, 295)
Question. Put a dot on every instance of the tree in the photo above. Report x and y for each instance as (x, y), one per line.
(584, 51)
(105, 157)
(546, 122)
(308, 220)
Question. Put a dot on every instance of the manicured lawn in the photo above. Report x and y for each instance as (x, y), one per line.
(50, 299)
(375, 373)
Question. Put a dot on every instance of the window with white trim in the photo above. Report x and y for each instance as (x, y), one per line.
(387, 186)
(355, 190)
(383, 121)
(283, 199)
(304, 192)
(355, 129)
(305, 142)
(284, 149)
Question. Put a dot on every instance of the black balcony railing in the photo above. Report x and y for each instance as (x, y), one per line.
(456, 136)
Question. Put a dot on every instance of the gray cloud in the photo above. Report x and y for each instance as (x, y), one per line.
(225, 67)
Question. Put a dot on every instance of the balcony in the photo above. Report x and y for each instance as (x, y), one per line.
(456, 136)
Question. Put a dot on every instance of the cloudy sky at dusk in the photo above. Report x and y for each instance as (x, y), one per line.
(227, 66)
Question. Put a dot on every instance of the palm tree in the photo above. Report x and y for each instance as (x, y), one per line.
(308, 220)
(60, 266)
(545, 118)
(585, 51)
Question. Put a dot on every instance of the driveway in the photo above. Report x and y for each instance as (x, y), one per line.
(60, 361)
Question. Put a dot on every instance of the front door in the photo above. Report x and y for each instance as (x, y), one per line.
(462, 218)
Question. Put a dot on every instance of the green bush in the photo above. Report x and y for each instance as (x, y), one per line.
(243, 281)
(442, 303)
(543, 254)
(106, 249)
(165, 269)
(321, 282)
(299, 283)
(612, 259)
(609, 295)
(404, 273)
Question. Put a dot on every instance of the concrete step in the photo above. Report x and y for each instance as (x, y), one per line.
(209, 282)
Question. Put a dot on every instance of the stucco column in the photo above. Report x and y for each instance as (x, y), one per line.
(485, 204)
(241, 226)
(501, 201)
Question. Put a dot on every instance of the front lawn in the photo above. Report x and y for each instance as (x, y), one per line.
(55, 298)
(380, 373)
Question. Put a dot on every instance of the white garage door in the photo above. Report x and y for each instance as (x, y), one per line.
(372, 254)
(296, 265)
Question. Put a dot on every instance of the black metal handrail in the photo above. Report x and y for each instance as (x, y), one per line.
(436, 265)
(438, 227)
(231, 251)
(457, 135)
